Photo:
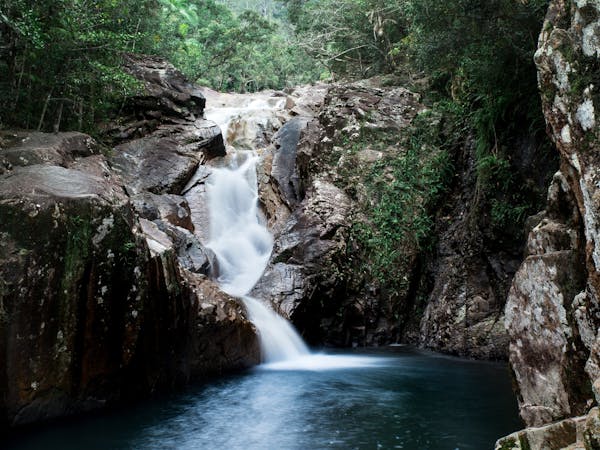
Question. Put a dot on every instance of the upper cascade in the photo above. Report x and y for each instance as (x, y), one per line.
(242, 244)
(238, 235)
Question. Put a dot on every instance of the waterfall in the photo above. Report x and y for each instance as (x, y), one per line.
(241, 242)
(242, 246)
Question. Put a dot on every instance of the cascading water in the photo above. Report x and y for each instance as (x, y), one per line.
(242, 246)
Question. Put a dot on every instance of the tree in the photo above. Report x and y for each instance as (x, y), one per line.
(356, 38)
(228, 51)
(61, 59)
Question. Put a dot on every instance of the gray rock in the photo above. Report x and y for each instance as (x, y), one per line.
(305, 253)
(59, 149)
(173, 209)
(284, 170)
(552, 311)
(560, 435)
(104, 298)
(153, 164)
(166, 89)
(543, 349)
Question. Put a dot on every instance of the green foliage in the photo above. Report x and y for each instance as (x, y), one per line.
(403, 189)
(479, 54)
(60, 59)
(352, 37)
(228, 51)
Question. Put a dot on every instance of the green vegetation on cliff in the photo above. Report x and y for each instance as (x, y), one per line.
(402, 189)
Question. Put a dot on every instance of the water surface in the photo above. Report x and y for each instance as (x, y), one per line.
(396, 398)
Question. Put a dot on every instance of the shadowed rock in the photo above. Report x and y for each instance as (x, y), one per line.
(104, 298)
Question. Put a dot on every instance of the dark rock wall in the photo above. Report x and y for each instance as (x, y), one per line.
(313, 189)
(104, 294)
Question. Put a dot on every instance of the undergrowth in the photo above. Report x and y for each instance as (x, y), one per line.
(402, 190)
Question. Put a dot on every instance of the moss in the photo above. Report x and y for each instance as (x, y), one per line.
(400, 193)
(76, 253)
(548, 92)
(284, 256)
(508, 443)
(524, 442)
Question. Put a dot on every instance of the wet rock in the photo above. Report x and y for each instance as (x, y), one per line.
(59, 149)
(283, 170)
(104, 297)
(173, 209)
(169, 113)
(312, 279)
(71, 276)
(249, 121)
(195, 195)
(154, 165)
(305, 255)
(166, 90)
(223, 338)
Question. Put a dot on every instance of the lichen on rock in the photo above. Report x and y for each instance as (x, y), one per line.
(552, 314)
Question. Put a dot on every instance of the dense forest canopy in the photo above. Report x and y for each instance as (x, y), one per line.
(61, 58)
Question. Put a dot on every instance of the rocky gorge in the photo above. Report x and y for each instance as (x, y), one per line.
(107, 281)
(107, 286)
(105, 295)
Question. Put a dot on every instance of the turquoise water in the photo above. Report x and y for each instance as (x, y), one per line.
(405, 399)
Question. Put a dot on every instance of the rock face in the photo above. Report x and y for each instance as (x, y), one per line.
(464, 307)
(313, 191)
(305, 257)
(104, 294)
(542, 313)
(310, 209)
(552, 313)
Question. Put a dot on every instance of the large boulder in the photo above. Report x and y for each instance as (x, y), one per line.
(168, 112)
(74, 277)
(546, 317)
(27, 149)
(166, 90)
(98, 303)
(312, 191)
(306, 255)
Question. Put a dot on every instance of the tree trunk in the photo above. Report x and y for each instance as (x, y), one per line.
(58, 117)
(41, 122)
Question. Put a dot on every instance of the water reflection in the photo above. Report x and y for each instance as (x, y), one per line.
(407, 400)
